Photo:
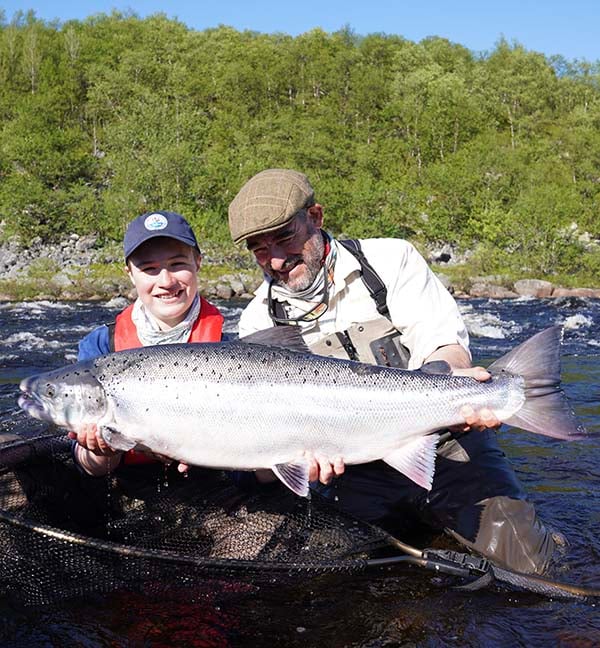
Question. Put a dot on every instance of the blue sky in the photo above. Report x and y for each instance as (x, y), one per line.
(570, 28)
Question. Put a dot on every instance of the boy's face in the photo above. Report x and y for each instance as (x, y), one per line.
(164, 272)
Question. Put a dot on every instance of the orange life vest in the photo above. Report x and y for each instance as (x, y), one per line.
(207, 328)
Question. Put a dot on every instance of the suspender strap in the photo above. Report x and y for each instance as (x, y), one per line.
(370, 278)
(278, 308)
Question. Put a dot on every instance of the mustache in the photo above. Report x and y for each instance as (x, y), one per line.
(290, 263)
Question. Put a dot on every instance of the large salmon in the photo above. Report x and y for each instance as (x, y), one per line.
(246, 405)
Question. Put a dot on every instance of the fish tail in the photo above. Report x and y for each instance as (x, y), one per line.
(546, 409)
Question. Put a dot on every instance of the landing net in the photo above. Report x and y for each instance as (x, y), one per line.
(65, 534)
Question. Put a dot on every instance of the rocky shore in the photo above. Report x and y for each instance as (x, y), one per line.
(78, 268)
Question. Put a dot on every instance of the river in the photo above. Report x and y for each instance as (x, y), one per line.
(408, 607)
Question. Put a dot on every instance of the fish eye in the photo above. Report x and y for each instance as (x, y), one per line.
(50, 391)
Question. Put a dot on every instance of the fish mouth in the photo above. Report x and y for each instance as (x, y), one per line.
(32, 404)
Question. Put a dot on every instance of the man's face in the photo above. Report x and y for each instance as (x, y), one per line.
(292, 255)
(164, 272)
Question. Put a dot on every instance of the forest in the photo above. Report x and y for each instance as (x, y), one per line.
(496, 153)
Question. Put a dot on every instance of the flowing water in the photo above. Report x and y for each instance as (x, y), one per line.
(400, 607)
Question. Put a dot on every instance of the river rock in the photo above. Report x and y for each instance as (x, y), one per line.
(86, 243)
(224, 291)
(442, 255)
(237, 286)
(586, 293)
(117, 302)
(447, 253)
(8, 259)
(62, 280)
(491, 291)
(569, 302)
(534, 288)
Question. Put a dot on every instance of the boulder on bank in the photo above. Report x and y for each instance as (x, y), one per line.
(491, 291)
(534, 288)
(224, 291)
(585, 293)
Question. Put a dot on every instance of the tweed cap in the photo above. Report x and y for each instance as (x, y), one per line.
(268, 201)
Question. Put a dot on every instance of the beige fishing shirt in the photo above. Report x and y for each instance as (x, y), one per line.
(420, 307)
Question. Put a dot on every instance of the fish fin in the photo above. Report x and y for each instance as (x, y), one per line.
(436, 367)
(416, 460)
(294, 476)
(546, 409)
(116, 440)
(286, 337)
(550, 415)
(537, 359)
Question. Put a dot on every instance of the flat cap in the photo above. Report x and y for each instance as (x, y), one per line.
(268, 201)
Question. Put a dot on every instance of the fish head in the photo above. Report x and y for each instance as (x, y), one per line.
(66, 397)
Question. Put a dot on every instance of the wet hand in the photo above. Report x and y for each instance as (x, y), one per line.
(322, 469)
(478, 420)
(475, 420)
(88, 436)
(479, 373)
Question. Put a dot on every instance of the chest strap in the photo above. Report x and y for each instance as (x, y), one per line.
(370, 278)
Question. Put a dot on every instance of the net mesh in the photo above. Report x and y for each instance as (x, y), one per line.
(64, 534)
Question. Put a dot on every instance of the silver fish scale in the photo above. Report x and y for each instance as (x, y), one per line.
(238, 405)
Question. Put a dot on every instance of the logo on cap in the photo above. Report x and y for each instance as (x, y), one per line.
(155, 222)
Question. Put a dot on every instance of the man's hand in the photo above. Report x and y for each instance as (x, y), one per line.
(460, 361)
(92, 452)
(88, 436)
(482, 419)
(319, 469)
(323, 470)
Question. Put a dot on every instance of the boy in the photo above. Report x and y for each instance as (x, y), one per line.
(162, 260)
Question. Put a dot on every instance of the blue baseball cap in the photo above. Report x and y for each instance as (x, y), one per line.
(154, 224)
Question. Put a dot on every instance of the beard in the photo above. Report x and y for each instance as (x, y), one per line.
(310, 263)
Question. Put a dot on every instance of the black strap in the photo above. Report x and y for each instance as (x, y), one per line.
(279, 311)
(111, 335)
(346, 342)
(371, 279)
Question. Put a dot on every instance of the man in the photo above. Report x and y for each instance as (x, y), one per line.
(378, 302)
(162, 259)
